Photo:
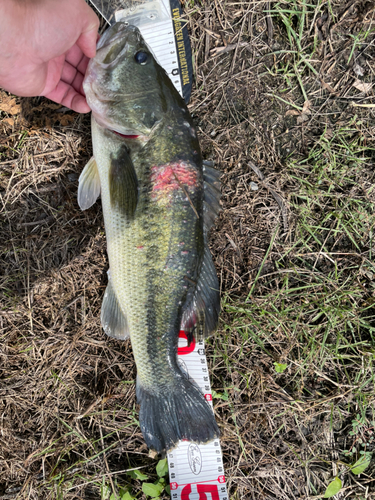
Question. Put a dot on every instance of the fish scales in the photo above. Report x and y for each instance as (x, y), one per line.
(147, 166)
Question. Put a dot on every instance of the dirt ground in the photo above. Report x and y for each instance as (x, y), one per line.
(274, 82)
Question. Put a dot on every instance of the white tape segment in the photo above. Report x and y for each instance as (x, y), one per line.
(196, 472)
(154, 19)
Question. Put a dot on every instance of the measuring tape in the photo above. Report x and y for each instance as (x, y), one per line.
(196, 470)
(165, 33)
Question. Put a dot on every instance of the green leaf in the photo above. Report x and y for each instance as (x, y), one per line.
(333, 488)
(218, 395)
(137, 474)
(280, 367)
(168, 489)
(152, 490)
(362, 463)
(127, 496)
(162, 468)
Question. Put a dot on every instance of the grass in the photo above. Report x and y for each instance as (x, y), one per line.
(314, 312)
(292, 363)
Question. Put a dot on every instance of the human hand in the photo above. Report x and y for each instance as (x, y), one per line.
(45, 48)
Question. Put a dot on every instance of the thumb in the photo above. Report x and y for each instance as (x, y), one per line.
(87, 40)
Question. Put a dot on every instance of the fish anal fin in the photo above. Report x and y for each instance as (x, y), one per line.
(113, 320)
(201, 313)
(88, 185)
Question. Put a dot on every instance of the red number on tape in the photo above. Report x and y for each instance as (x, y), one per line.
(189, 348)
(202, 490)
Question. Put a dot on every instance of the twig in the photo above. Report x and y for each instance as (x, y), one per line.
(277, 197)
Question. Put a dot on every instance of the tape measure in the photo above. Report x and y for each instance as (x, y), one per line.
(165, 33)
(196, 471)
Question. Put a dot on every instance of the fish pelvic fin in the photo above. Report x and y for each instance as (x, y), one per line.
(88, 185)
(113, 320)
(176, 413)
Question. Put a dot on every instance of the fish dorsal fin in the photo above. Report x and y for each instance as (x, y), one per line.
(212, 194)
(123, 183)
(88, 185)
(202, 312)
(113, 320)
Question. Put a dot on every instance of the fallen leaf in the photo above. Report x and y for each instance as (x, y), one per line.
(292, 112)
(9, 121)
(306, 108)
(358, 70)
(328, 87)
(362, 86)
(9, 105)
(66, 120)
(304, 115)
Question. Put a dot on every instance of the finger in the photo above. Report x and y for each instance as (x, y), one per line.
(79, 104)
(66, 95)
(53, 74)
(72, 77)
(77, 60)
(74, 55)
(82, 66)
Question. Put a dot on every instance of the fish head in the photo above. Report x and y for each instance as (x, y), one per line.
(127, 90)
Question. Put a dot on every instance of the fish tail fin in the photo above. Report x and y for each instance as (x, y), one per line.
(178, 413)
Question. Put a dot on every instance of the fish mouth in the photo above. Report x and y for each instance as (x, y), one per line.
(117, 32)
(120, 131)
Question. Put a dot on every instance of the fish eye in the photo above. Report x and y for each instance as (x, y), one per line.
(141, 57)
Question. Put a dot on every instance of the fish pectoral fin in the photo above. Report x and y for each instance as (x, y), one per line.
(123, 183)
(212, 194)
(202, 312)
(88, 185)
(113, 320)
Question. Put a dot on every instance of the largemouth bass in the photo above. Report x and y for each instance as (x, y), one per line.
(158, 204)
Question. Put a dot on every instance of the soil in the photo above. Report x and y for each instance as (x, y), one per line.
(67, 391)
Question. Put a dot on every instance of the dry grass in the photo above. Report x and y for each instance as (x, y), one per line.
(287, 86)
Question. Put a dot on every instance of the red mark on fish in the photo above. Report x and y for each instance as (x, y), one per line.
(173, 176)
